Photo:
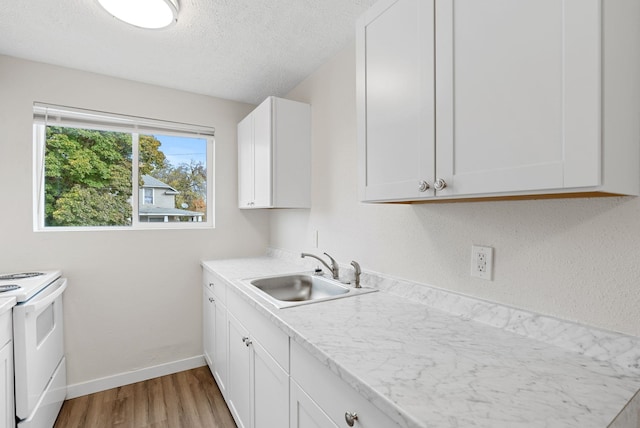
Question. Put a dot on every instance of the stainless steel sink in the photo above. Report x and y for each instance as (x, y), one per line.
(299, 289)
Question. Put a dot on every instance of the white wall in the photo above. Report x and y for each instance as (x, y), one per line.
(134, 296)
(577, 259)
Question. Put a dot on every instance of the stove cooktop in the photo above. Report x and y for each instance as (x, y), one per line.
(25, 285)
(21, 275)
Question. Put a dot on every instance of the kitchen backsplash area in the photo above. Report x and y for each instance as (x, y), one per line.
(602, 345)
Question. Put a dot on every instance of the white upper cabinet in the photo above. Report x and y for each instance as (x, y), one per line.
(495, 98)
(274, 156)
(395, 75)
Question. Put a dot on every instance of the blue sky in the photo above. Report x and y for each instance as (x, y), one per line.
(181, 149)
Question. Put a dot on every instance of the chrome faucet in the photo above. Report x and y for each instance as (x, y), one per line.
(356, 266)
(334, 265)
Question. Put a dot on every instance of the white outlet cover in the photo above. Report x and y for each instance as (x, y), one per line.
(482, 262)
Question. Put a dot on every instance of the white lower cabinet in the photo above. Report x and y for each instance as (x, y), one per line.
(208, 326)
(220, 350)
(239, 388)
(214, 329)
(271, 390)
(304, 412)
(256, 381)
(269, 381)
(320, 398)
(7, 411)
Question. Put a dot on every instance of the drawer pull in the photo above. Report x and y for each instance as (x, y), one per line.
(211, 285)
(246, 341)
(211, 299)
(350, 418)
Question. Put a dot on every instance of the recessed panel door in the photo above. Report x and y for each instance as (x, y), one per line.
(518, 95)
(395, 95)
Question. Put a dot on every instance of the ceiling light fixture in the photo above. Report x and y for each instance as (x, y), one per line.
(151, 14)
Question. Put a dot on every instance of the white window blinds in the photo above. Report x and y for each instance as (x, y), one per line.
(53, 115)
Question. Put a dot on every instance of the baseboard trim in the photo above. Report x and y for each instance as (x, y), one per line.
(102, 384)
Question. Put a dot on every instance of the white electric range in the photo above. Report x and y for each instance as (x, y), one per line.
(38, 341)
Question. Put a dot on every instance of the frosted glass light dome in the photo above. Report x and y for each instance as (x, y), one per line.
(151, 14)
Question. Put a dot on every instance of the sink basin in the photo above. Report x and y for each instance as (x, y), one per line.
(298, 289)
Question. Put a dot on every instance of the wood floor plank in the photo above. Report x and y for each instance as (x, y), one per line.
(141, 405)
(189, 399)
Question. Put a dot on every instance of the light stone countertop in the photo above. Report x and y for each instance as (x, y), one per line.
(425, 367)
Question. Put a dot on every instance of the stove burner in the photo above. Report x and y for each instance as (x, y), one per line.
(22, 275)
(8, 287)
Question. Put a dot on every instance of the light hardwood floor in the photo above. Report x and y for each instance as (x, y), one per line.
(189, 399)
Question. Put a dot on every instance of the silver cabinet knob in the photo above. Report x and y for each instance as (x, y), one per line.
(211, 285)
(440, 184)
(423, 186)
(350, 418)
(246, 341)
(211, 299)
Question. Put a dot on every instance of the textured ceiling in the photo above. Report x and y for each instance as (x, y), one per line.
(242, 50)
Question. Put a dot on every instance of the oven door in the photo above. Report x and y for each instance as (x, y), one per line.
(38, 345)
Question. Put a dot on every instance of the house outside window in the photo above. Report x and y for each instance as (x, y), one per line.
(163, 208)
(98, 170)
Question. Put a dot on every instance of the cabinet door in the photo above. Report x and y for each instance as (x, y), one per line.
(271, 390)
(333, 395)
(208, 326)
(239, 386)
(262, 153)
(304, 412)
(7, 415)
(518, 92)
(245, 162)
(220, 348)
(395, 95)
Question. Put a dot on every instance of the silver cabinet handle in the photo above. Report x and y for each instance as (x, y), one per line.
(440, 184)
(423, 186)
(246, 341)
(211, 285)
(350, 418)
(211, 299)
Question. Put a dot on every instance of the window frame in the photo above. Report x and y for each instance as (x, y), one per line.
(144, 196)
(89, 119)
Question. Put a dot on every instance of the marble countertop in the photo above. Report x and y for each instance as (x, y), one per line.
(425, 367)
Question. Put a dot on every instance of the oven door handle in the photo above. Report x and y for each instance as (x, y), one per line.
(40, 304)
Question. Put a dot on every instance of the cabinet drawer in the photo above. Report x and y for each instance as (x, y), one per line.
(6, 328)
(274, 340)
(216, 284)
(332, 394)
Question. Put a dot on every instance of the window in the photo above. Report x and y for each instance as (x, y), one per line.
(148, 196)
(104, 171)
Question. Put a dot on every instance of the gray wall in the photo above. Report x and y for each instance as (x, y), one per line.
(134, 296)
(576, 259)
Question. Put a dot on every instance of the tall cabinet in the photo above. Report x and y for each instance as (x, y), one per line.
(468, 98)
(274, 156)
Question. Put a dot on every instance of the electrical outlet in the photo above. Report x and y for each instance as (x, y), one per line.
(482, 262)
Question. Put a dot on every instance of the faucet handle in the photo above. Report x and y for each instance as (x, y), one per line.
(356, 267)
(333, 261)
(335, 268)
